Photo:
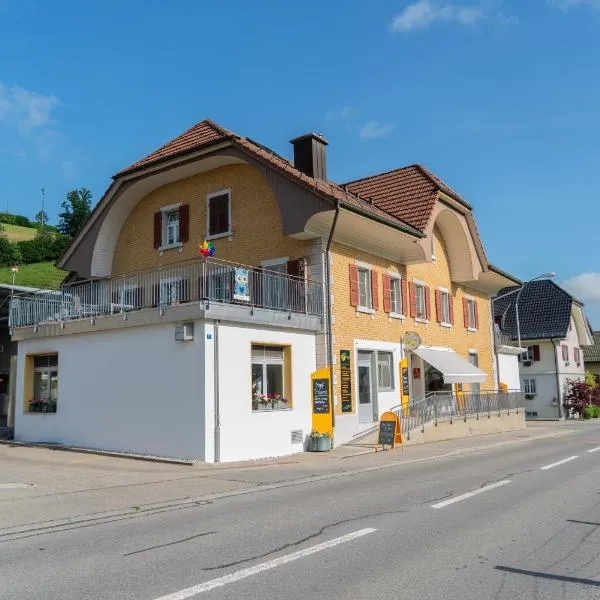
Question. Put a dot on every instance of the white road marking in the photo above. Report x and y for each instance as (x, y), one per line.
(277, 562)
(487, 488)
(560, 462)
(15, 486)
(594, 449)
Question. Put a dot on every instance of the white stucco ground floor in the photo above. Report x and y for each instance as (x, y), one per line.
(226, 392)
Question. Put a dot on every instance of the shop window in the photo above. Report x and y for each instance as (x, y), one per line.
(42, 383)
(270, 378)
(385, 371)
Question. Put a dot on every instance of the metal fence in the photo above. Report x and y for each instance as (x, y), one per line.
(446, 406)
(212, 280)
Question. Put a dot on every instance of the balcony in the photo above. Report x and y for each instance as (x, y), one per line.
(209, 282)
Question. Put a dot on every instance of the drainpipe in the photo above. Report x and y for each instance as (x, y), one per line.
(328, 316)
(555, 348)
(217, 450)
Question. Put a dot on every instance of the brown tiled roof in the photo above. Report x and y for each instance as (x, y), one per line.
(207, 132)
(408, 193)
(202, 134)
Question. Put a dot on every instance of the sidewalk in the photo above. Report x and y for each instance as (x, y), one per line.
(39, 485)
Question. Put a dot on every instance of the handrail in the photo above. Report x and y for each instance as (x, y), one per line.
(442, 406)
(208, 280)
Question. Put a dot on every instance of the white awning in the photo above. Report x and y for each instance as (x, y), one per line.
(454, 368)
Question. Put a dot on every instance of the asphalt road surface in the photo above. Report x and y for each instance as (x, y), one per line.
(520, 521)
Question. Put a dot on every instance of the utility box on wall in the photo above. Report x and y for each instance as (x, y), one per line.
(184, 333)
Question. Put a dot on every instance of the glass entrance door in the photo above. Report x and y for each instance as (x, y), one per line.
(365, 388)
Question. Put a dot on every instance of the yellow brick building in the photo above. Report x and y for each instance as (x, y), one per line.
(345, 269)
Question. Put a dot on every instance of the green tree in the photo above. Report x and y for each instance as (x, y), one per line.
(590, 379)
(41, 218)
(75, 211)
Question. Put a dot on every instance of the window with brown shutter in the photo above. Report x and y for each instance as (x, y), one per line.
(438, 306)
(219, 217)
(184, 223)
(476, 313)
(536, 352)
(158, 226)
(412, 292)
(353, 285)
(374, 290)
(387, 293)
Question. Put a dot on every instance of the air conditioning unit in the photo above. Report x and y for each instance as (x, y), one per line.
(526, 363)
(184, 333)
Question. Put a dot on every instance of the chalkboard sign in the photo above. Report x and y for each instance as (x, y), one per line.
(346, 381)
(387, 433)
(320, 395)
(405, 391)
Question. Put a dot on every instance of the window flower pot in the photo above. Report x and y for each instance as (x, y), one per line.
(323, 444)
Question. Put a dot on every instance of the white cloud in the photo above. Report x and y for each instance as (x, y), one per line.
(586, 287)
(343, 113)
(24, 109)
(424, 13)
(374, 129)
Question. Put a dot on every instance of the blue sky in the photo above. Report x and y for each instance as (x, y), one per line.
(497, 97)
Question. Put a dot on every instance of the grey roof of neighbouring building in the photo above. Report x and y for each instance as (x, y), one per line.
(592, 353)
(544, 311)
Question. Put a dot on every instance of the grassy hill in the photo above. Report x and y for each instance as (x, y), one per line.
(40, 275)
(16, 233)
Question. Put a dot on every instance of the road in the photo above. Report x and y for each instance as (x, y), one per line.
(504, 523)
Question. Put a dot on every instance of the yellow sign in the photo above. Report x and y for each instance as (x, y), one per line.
(390, 416)
(404, 386)
(321, 401)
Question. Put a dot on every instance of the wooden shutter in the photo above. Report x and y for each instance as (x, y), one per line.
(536, 352)
(438, 305)
(466, 312)
(427, 301)
(387, 293)
(412, 292)
(451, 308)
(353, 285)
(184, 223)
(476, 313)
(158, 229)
(374, 290)
(296, 268)
(404, 295)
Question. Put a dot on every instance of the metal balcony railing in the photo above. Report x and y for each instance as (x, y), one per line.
(438, 406)
(209, 280)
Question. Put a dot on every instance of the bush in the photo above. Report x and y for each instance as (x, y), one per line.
(7, 218)
(22, 221)
(588, 412)
(9, 253)
(595, 411)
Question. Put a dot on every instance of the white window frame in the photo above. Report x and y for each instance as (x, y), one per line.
(165, 212)
(577, 355)
(229, 231)
(48, 370)
(445, 293)
(368, 308)
(264, 362)
(390, 363)
(420, 316)
(527, 356)
(528, 388)
(395, 279)
(471, 312)
(166, 287)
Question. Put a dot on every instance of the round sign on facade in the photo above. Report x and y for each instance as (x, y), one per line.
(411, 340)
